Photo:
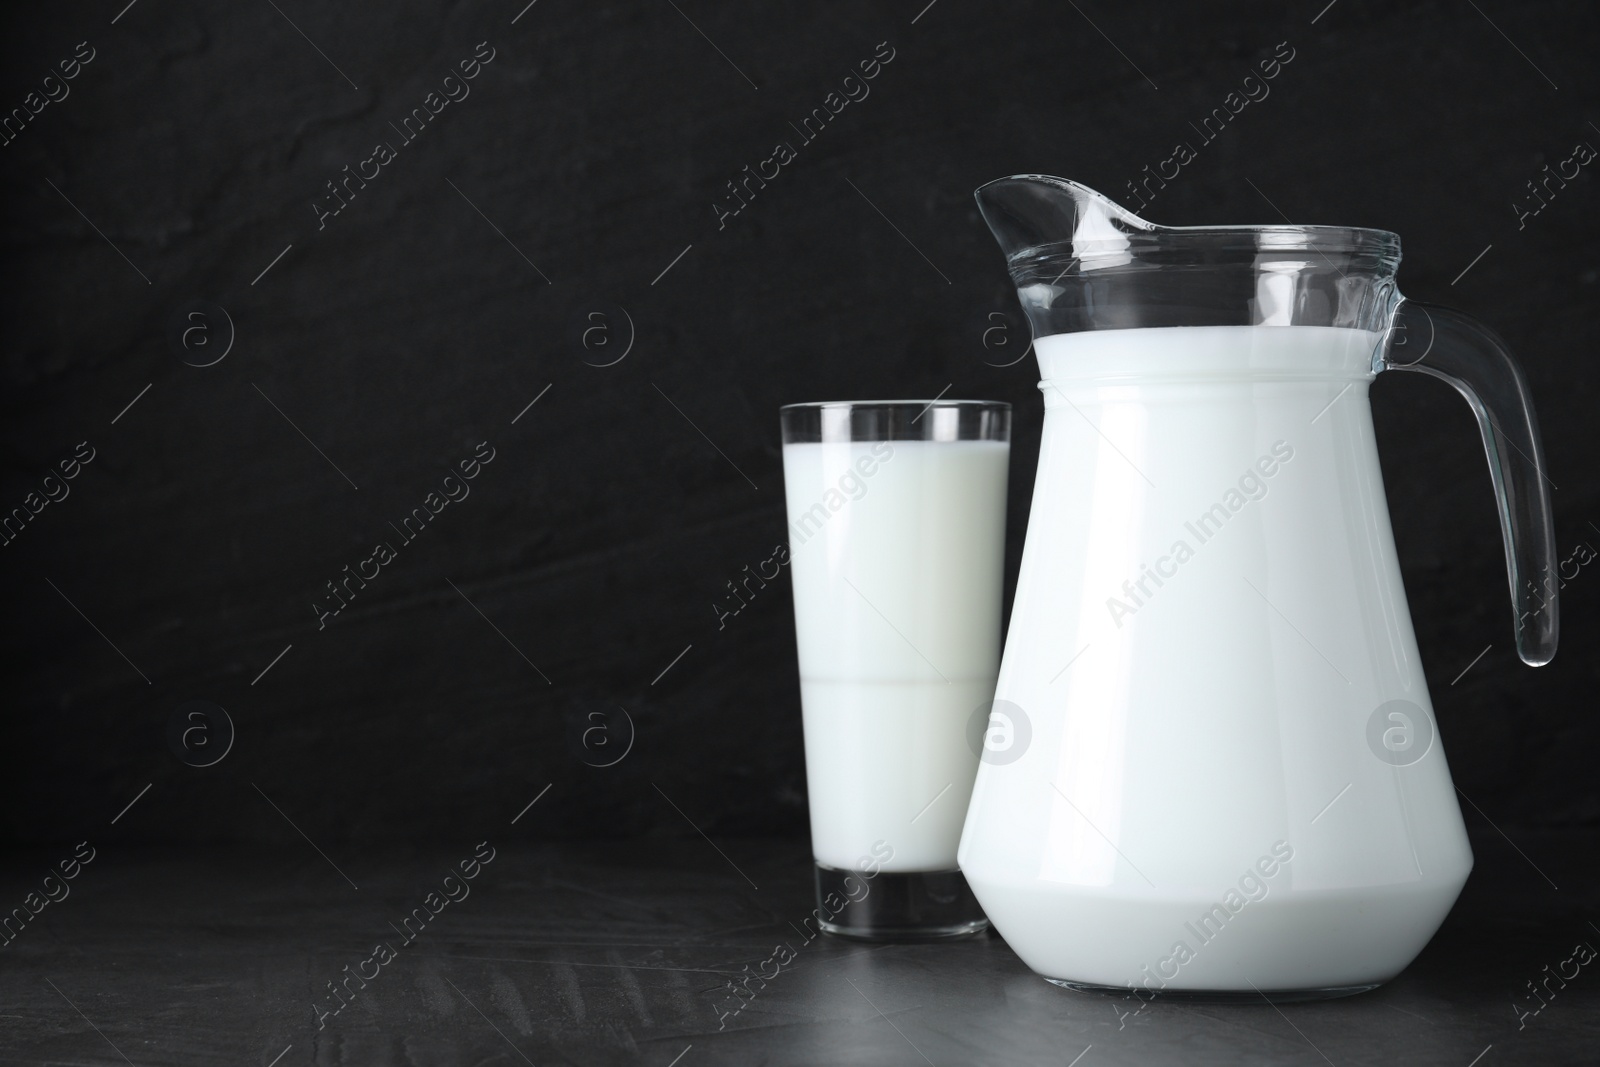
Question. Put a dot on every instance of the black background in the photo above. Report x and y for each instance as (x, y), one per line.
(408, 330)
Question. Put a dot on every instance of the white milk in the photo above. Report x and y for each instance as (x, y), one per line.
(1218, 710)
(896, 553)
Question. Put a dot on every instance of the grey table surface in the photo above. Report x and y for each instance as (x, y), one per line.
(621, 953)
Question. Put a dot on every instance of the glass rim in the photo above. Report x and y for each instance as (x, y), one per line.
(938, 419)
(1268, 236)
(1371, 251)
(820, 404)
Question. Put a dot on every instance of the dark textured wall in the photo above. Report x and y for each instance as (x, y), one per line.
(580, 177)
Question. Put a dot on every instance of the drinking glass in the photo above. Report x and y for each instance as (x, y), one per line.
(896, 515)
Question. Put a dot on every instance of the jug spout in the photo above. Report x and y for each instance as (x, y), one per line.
(1081, 261)
(1033, 213)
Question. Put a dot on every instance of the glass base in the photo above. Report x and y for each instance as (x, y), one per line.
(1216, 996)
(897, 905)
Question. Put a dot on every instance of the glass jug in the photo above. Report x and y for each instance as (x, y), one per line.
(1218, 769)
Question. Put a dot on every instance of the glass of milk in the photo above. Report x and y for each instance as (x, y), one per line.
(896, 516)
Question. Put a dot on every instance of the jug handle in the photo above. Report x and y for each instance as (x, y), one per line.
(1462, 351)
